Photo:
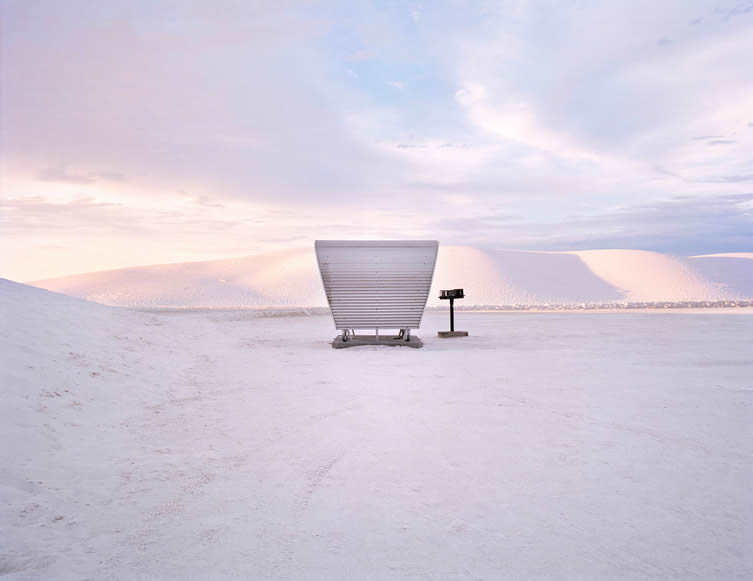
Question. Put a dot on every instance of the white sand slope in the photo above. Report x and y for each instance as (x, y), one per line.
(222, 445)
(73, 374)
(290, 278)
(733, 271)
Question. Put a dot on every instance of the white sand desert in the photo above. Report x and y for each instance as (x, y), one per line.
(224, 445)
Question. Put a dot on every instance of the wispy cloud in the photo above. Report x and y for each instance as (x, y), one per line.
(62, 175)
(734, 179)
(57, 174)
(668, 226)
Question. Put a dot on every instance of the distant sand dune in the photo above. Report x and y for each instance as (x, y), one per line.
(290, 278)
(650, 276)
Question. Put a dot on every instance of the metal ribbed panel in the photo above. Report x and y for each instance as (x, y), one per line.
(377, 284)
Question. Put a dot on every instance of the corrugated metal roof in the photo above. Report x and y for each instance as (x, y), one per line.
(377, 283)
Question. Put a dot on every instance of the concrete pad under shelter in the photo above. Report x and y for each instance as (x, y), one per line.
(385, 340)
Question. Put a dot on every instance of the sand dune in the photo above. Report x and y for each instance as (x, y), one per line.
(276, 279)
(650, 276)
(289, 278)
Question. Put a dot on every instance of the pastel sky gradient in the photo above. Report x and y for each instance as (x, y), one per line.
(141, 132)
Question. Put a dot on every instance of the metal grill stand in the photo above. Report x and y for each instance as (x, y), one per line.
(451, 295)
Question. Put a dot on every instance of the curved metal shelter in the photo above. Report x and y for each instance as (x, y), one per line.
(377, 284)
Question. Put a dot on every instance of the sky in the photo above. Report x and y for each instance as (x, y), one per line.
(138, 132)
